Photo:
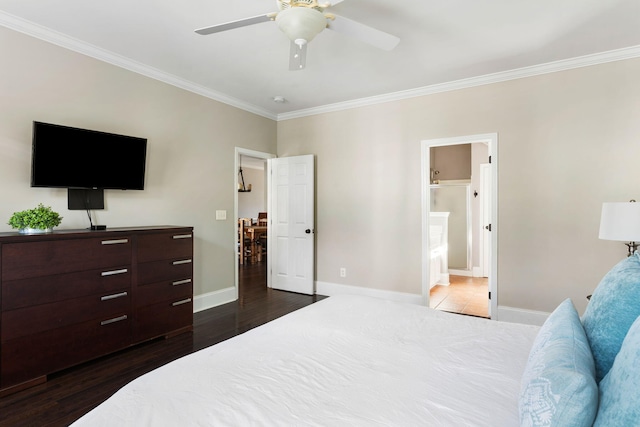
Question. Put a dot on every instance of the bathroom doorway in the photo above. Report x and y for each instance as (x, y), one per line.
(455, 215)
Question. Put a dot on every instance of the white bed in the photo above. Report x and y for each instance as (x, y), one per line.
(345, 360)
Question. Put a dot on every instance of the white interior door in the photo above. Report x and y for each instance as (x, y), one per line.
(485, 218)
(291, 239)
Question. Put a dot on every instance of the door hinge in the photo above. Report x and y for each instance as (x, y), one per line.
(489, 294)
(488, 227)
(489, 159)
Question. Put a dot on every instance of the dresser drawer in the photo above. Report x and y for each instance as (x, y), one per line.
(153, 247)
(33, 259)
(68, 297)
(152, 272)
(168, 290)
(163, 318)
(33, 356)
(27, 321)
(46, 289)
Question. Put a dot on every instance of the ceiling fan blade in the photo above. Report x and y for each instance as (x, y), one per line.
(364, 33)
(236, 24)
(297, 57)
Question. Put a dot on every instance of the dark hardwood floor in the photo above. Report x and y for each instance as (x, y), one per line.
(69, 394)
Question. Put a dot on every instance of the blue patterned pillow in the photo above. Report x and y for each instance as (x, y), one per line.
(558, 386)
(614, 306)
(619, 397)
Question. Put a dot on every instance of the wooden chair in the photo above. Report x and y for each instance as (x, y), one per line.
(261, 246)
(244, 242)
(262, 240)
(262, 218)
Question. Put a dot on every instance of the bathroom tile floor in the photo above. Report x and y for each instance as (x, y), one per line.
(464, 295)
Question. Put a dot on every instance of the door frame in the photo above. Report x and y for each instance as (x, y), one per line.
(491, 139)
(259, 155)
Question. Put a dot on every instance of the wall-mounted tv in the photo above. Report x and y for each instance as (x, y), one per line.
(69, 157)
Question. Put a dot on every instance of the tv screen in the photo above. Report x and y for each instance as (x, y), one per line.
(69, 157)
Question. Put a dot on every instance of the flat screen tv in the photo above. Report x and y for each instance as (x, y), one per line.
(69, 157)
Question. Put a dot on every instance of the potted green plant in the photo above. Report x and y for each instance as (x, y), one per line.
(40, 219)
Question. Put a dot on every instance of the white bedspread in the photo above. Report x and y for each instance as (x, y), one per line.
(344, 361)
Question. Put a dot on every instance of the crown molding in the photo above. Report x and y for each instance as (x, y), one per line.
(27, 27)
(536, 70)
(71, 43)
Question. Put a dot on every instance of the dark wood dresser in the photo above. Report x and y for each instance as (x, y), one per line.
(74, 295)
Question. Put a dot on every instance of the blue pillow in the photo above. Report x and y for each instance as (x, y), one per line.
(614, 306)
(619, 397)
(558, 386)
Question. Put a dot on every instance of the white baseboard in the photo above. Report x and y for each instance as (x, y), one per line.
(464, 273)
(477, 272)
(444, 279)
(520, 315)
(214, 299)
(329, 289)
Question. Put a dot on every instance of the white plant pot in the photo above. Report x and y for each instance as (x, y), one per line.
(35, 230)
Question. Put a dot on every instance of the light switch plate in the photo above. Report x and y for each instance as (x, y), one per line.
(221, 215)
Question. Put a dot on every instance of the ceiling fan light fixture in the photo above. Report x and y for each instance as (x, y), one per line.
(301, 24)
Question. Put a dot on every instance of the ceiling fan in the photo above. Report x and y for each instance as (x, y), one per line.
(302, 20)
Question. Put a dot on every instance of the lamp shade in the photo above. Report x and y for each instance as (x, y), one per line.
(620, 221)
(301, 24)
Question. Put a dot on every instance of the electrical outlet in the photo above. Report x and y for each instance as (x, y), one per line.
(221, 215)
(343, 272)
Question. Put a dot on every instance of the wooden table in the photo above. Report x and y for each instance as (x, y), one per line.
(254, 232)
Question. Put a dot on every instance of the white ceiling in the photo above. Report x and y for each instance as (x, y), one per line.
(441, 42)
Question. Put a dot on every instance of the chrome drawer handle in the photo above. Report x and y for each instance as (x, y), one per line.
(184, 261)
(114, 296)
(114, 320)
(115, 242)
(112, 272)
(182, 236)
(181, 282)
(184, 301)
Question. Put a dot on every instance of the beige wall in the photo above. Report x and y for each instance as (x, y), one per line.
(452, 162)
(191, 140)
(568, 141)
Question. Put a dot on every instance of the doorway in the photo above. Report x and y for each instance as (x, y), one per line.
(250, 198)
(435, 232)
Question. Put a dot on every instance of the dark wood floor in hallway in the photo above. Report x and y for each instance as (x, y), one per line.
(71, 393)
